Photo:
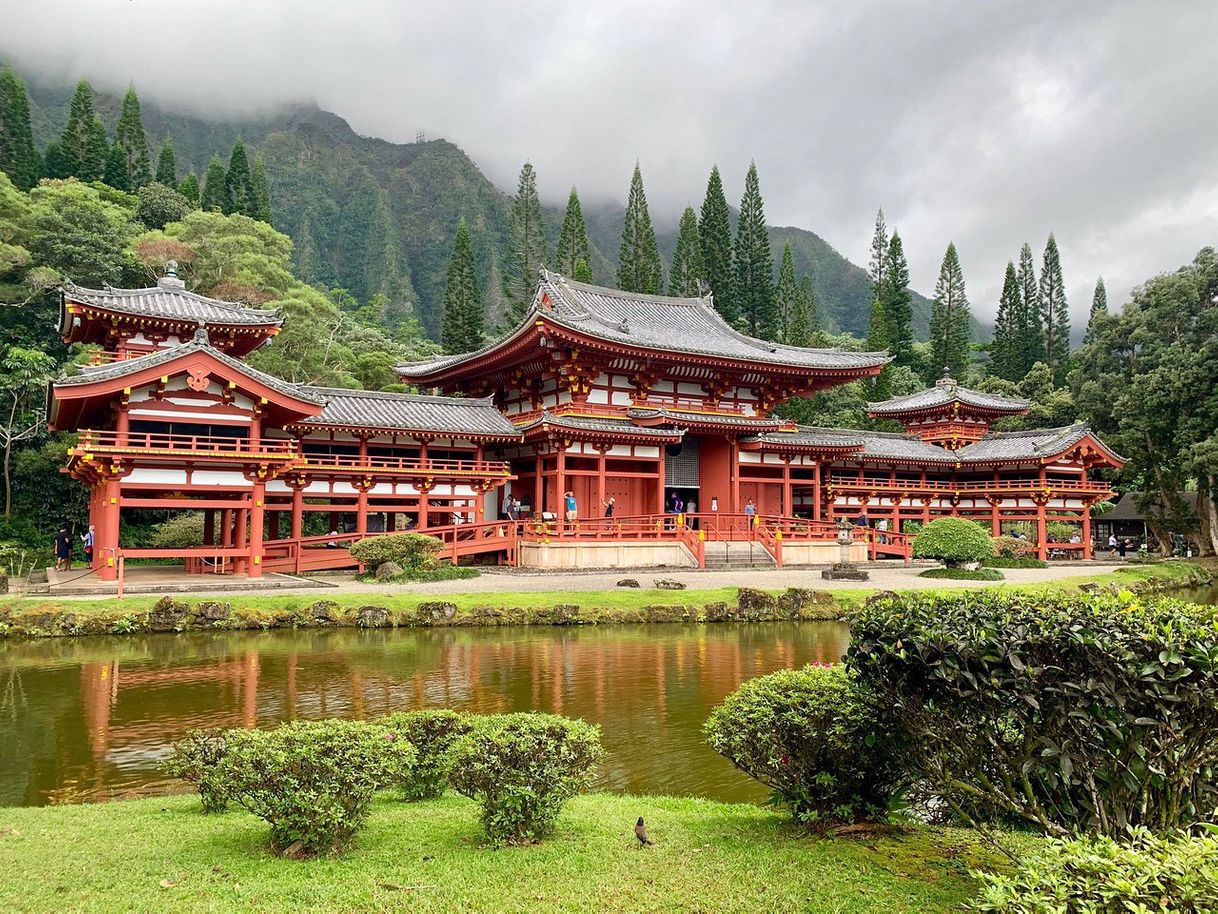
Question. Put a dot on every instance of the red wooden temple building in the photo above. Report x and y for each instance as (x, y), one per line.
(598, 392)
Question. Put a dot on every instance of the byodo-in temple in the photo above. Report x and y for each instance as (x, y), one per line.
(645, 403)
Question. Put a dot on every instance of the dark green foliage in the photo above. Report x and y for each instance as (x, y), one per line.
(1028, 320)
(238, 184)
(573, 239)
(1010, 547)
(715, 235)
(434, 736)
(260, 191)
(638, 267)
(308, 261)
(463, 309)
(1017, 561)
(804, 329)
(687, 277)
(77, 233)
(1141, 871)
(786, 296)
(116, 168)
(896, 304)
(167, 164)
(197, 758)
(54, 162)
(93, 167)
(521, 768)
(753, 285)
(1006, 357)
(312, 781)
(19, 157)
(189, 188)
(878, 265)
(1069, 713)
(1099, 305)
(954, 541)
(949, 320)
(583, 272)
(1055, 313)
(214, 195)
(129, 134)
(963, 574)
(183, 530)
(159, 205)
(526, 252)
(415, 552)
(75, 154)
(817, 739)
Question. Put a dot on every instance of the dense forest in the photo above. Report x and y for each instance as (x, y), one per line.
(378, 253)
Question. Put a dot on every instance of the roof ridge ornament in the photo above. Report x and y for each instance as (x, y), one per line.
(201, 335)
(170, 280)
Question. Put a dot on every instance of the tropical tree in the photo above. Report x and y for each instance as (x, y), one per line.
(687, 277)
(1055, 313)
(19, 157)
(573, 239)
(1031, 333)
(949, 320)
(786, 301)
(753, 286)
(130, 136)
(167, 164)
(526, 252)
(24, 374)
(715, 242)
(1099, 305)
(1005, 356)
(639, 268)
(463, 312)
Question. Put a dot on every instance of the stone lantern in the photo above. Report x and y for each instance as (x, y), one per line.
(845, 569)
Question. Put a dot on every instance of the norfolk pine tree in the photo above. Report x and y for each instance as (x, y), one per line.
(19, 157)
(213, 196)
(260, 189)
(638, 264)
(94, 166)
(189, 188)
(786, 295)
(116, 174)
(753, 262)
(463, 315)
(949, 318)
(1004, 351)
(526, 247)
(1099, 305)
(804, 326)
(897, 307)
(1055, 312)
(1031, 347)
(715, 237)
(129, 134)
(73, 151)
(877, 324)
(573, 240)
(167, 164)
(688, 273)
(238, 186)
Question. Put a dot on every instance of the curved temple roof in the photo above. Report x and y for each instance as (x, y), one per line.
(654, 322)
(170, 300)
(410, 412)
(945, 392)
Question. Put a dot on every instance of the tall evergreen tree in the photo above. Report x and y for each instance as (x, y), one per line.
(639, 268)
(260, 190)
(167, 164)
(74, 144)
(949, 318)
(116, 168)
(54, 162)
(1031, 338)
(129, 134)
(583, 272)
(238, 185)
(805, 328)
(93, 168)
(189, 187)
(715, 237)
(879, 255)
(897, 303)
(213, 195)
(463, 313)
(19, 157)
(1005, 357)
(1099, 305)
(573, 240)
(786, 296)
(753, 262)
(1055, 314)
(526, 247)
(688, 273)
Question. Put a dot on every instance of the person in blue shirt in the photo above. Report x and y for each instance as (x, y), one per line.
(87, 539)
(571, 507)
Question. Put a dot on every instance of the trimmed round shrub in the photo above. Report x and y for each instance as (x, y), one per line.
(522, 768)
(414, 552)
(196, 758)
(1146, 872)
(953, 541)
(182, 531)
(963, 574)
(1011, 547)
(313, 781)
(434, 736)
(816, 738)
(1020, 561)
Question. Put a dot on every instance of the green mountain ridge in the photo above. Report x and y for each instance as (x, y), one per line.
(370, 216)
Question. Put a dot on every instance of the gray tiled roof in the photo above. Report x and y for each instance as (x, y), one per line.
(660, 323)
(679, 415)
(375, 409)
(600, 424)
(170, 300)
(943, 393)
(1031, 444)
(114, 370)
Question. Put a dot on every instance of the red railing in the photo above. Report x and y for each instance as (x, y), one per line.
(177, 445)
(985, 485)
(408, 465)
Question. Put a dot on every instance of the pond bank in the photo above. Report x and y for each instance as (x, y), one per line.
(35, 618)
(164, 853)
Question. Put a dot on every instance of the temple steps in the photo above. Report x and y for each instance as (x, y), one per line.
(726, 555)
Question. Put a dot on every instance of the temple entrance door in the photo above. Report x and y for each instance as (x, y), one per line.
(681, 474)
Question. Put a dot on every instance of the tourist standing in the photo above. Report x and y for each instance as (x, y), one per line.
(87, 539)
(1121, 547)
(513, 508)
(1112, 544)
(750, 512)
(608, 506)
(691, 508)
(63, 549)
(571, 507)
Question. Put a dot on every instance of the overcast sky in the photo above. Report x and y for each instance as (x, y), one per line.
(986, 123)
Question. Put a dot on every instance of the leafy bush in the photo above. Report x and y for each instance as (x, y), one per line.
(415, 552)
(182, 531)
(816, 738)
(963, 574)
(1147, 873)
(1069, 712)
(1061, 531)
(196, 758)
(1011, 547)
(434, 736)
(313, 781)
(522, 768)
(954, 541)
(1017, 561)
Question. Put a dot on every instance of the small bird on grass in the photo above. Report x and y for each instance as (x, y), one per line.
(640, 832)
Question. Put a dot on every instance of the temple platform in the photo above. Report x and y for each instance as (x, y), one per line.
(164, 579)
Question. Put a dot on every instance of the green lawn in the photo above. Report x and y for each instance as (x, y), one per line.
(164, 854)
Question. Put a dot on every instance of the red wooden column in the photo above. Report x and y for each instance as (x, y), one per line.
(1042, 546)
(661, 475)
(560, 476)
(361, 498)
(106, 536)
(600, 478)
(424, 489)
(816, 490)
(480, 490)
(788, 502)
(538, 485)
(1086, 520)
(297, 509)
(734, 457)
(226, 527)
(995, 519)
(257, 514)
(241, 562)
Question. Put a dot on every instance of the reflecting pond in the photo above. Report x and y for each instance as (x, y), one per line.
(91, 718)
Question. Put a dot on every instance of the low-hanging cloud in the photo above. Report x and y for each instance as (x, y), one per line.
(989, 124)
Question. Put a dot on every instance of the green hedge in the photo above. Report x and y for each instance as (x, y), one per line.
(1019, 561)
(415, 552)
(816, 738)
(963, 574)
(954, 541)
(196, 759)
(434, 736)
(1069, 712)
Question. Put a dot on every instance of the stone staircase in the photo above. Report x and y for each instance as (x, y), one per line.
(723, 556)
